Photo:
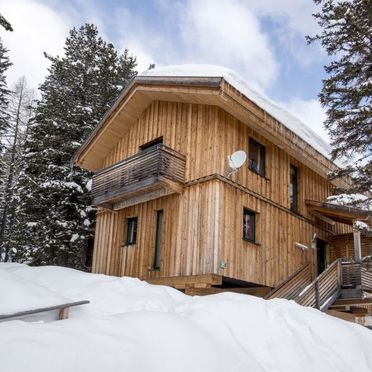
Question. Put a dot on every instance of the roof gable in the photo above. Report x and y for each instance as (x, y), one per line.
(227, 91)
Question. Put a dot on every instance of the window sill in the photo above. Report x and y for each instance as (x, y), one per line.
(252, 242)
(151, 269)
(128, 244)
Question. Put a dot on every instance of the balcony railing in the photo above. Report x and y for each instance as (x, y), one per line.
(152, 173)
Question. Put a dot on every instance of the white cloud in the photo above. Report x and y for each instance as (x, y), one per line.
(292, 20)
(37, 29)
(310, 112)
(224, 33)
(230, 35)
(133, 34)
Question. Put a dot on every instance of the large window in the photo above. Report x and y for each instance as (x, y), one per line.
(249, 225)
(256, 157)
(293, 188)
(158, 239)
(132, 230)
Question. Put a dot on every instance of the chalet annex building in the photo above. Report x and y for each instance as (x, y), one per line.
(169, 212)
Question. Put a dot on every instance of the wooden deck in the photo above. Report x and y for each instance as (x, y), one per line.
(150, 174)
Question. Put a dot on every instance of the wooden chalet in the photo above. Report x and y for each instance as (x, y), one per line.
(168, 212)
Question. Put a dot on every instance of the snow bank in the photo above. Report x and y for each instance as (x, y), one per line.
(288, 120)
(133, 326)
(18, 294)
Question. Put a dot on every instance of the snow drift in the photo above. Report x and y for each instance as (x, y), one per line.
(134, 326)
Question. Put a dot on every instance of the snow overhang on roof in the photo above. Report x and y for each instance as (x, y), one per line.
(340, 213)
(205, 84)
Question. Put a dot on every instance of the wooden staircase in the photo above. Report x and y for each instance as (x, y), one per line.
(339, 281)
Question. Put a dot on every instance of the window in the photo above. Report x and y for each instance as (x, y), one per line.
(152, 143)
(256, 157)
(132, 230)
(293, 188)
(158, 239)
(249, 225)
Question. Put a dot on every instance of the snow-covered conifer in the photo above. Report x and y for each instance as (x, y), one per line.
(55, 219)
(347, 90)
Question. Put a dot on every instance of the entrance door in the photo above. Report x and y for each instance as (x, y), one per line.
(321, 255)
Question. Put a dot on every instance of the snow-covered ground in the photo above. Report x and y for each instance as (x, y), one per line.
(132, 326)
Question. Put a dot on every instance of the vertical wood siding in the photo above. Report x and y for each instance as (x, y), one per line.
(203, 226)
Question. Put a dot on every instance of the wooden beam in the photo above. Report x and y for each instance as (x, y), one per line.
(357, 244)
(323, 218)
(253, 291)
(358, 311)
(353, 302)
(341, 315)
(180, 282)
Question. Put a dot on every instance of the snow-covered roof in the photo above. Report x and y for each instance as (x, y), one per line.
(285, 118)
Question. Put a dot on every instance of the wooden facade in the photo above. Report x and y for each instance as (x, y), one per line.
(202, 225)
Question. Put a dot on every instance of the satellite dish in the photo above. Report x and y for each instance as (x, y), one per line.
(236, 160)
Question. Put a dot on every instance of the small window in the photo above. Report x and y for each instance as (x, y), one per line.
(152, 143)
(293, 188)
(132, 230)
(256, 157)
(249, 225)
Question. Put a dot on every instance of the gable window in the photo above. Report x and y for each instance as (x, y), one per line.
(132, 230)
(152, 143)
(293, 188)
(256, 157)
(249, 225)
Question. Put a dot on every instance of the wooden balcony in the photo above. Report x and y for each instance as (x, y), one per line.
(150, 174)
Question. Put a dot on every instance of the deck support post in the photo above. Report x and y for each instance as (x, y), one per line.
(357, 243)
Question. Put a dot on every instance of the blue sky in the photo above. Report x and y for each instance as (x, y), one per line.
(263, 41)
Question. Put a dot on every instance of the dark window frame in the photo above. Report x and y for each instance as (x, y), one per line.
(293, 188)
(132, 224)
(253, 214)
(260, 168)
(154, 142)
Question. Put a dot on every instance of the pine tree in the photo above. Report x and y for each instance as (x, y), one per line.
(4, 119)
(20, 108)
(55, 219)
(4, 93)
(347, 37)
